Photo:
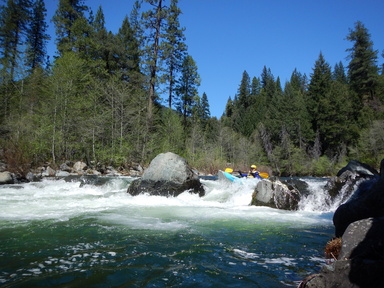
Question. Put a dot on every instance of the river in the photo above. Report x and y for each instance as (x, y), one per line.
(55, 233)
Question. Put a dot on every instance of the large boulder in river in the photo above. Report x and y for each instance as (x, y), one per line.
(167, 175)
(367, 201)
(348, 179)
(6, 178)
(273, 193)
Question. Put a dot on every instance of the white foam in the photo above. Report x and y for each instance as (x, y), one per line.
(60, 201)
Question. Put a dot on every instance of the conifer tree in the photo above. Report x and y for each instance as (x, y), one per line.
(258, 101)
(362, 68)
(37, 37)
(336, 121)
(255, 88)
(201, 110)
(187, 88)
(66, 15)
(136, 23)
(205, 111)
(339, 73)
(14, 19)
(268, 81)
(127, 56)
(229, 108)
(244, 92)
(319, 86)
(102, 53)
(275, 113)
(154, 20)
(242, 118)
(296, 117)
(174, 48)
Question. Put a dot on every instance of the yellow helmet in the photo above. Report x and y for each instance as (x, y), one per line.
(253, 166)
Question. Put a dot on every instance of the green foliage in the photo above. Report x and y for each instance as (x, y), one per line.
(69, 19)
(102, 99)
(186, 89)
(318, 88)
(171, 133)
(371, 144)
(37, 36)
(362, 69)
(322, 167)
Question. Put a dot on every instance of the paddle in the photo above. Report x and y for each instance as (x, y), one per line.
(262, 175)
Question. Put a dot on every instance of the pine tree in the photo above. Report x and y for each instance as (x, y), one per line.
(258, 101)
(268, 82)
(66, 15)
(242, 118)
(201, 111)
(37, 37)
(174, 48)
(296, 117)
(187, 88)
(335, 119)
(274, 120)
(319, 86)
(136, 23)
(255, 88)
(205, 112)
(339, 73)
(229, 108)
(362, 68)
(244, 92)
(128, 54)
(14, 21)
(154, 20)
(102, 42)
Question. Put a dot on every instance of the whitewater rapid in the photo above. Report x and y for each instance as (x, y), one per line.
(61, 200)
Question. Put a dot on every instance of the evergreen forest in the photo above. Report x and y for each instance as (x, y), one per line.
(122, 98)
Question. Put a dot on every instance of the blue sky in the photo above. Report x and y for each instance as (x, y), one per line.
(226, 37)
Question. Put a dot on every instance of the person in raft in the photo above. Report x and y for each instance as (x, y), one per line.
(253, 173)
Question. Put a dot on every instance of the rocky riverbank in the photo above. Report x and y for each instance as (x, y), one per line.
(65, 169)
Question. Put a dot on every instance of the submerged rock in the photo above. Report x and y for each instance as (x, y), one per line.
(167, 175)
(275, 194)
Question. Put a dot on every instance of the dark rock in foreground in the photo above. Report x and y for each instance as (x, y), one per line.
(367, 201)
(360, 223)
(361, 261)
(167, 175)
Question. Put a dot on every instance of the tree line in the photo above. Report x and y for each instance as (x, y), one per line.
(318, 123)
(120, 98)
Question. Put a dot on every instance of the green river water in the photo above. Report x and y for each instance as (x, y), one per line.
(61, 234)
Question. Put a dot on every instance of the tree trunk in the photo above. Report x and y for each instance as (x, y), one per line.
(153, 68)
